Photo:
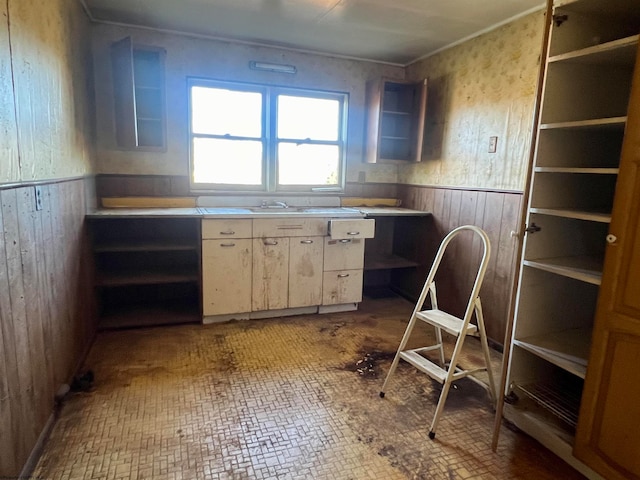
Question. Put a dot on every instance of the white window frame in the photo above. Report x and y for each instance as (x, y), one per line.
(269, 138)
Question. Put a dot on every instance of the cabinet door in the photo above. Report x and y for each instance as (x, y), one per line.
(226, 276)
(342, 286)
(607, 436)
(305, 271)
(270, 273)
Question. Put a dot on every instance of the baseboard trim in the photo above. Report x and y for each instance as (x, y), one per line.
(36, 452)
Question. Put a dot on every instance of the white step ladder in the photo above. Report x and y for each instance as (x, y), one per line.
(458, 327)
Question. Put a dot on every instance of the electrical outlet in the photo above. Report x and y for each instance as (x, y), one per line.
(38, 194)
(493, 144)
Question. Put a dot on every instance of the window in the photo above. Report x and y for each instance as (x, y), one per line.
(262, 138)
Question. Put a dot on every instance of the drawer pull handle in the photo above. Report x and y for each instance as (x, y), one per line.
(289, 227)
(343, 275)
(353, 233)
(270, 243)
(228, 232)
(345, 240)
(227, 244)
(306, 242)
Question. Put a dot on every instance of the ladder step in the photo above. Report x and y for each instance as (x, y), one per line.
(424, 365)
(446, 322)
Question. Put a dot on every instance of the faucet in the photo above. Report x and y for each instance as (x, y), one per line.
(273, 204)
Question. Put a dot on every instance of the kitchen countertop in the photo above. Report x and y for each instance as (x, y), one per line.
(255, 212)
(392, 212)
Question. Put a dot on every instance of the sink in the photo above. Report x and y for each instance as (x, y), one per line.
(276, 209)
(307, 210)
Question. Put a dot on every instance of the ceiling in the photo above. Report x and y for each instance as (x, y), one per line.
(393, 31)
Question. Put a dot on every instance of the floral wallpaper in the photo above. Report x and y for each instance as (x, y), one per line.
(481, 88)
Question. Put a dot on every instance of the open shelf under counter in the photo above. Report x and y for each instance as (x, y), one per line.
(145, 245)
(617, 52)
(136, 277)
(150, 315)
(608, 122)
(574, 213)
(586, 268)
(383, 261)
(567, 349)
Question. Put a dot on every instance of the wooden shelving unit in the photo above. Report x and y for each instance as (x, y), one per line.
(147, 270)
(588, 71)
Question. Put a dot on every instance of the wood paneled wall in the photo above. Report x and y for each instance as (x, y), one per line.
(495, 212)
(47, 319)
(113, 185)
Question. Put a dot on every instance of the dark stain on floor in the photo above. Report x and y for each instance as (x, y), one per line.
(463, 393)
(369, 365)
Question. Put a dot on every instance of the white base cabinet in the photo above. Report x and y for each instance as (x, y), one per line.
(256, 268)
(226, 266)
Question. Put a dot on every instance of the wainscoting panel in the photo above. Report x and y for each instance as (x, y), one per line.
(47, 319)
(495, 212)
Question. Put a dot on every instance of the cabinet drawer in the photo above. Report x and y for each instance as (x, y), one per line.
(351, 228)
(344, 254)
(226, 228)
(289, 227)
(342, 286)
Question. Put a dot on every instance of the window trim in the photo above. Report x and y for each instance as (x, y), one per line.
(270, 141)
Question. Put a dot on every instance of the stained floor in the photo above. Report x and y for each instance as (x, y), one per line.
(290, 398)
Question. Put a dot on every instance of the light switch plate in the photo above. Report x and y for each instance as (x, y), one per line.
(493, 144)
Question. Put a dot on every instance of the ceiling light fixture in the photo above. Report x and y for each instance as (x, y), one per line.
(272, 67)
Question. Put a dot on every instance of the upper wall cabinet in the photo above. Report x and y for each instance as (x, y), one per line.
(138, 91)
(395, 123)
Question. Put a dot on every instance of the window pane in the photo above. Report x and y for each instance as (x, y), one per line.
(218, 111)
(308, 164)
(234, 162)
(303, 117)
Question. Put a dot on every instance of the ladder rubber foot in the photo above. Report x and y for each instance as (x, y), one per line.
(432, 435)
(381, 394)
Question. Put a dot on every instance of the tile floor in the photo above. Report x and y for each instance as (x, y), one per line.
(279, 398)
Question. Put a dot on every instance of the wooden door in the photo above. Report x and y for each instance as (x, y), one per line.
(226, 276)
(607, 437)
(305, 271)
(270, 274)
